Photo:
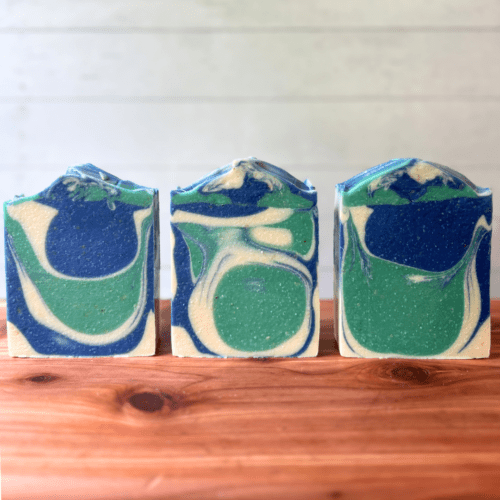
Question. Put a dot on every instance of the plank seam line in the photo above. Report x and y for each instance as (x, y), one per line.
(244, 99)
(257, 30)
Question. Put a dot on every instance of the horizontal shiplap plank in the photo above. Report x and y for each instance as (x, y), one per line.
(257, 13)
(165, 145)
(341, 135)
(330, 66)
(495, 284)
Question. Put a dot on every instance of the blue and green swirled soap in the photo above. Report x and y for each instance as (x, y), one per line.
(82, 267)
(245, 256)
(412, 257)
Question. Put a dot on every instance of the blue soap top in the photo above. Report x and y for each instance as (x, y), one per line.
(407, 180)
(247, 182)
(90, 183)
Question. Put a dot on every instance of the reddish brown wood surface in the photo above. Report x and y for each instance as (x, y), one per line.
(329, 427)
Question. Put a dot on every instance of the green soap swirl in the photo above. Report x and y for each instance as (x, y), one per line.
(301, 226)
(91, 306)
(267, 302)
(379, 298)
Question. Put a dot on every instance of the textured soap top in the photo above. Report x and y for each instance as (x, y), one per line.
(249, 183)
(412, 258)
(407, 180)
(89, 183)
(244, 264)
(82, 265)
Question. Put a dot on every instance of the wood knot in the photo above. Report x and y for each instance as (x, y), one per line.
(147, 401)
(335, 494)
(410, 374)
(43, 378)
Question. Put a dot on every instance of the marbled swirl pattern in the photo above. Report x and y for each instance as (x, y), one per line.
(82, 263)
(245, 255)
(412, 256)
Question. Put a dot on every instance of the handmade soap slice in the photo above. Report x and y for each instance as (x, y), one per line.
(245, 256)
(412, 256)
(82, 267)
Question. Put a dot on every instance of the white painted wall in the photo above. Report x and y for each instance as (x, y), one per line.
(163, 92)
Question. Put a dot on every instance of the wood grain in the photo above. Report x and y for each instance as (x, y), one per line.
(322, 428)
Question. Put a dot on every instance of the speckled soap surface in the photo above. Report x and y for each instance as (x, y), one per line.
(82, 265)
(412, 257)
(245, 256)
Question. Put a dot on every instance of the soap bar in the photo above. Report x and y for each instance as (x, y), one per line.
(412, 257)
(82, 266)
(244, 264)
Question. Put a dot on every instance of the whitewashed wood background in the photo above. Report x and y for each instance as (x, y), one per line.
(162, 92)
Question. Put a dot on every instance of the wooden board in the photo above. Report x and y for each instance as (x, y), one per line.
(321, 428)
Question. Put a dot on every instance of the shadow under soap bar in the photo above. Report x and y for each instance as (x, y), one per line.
(82, 266)
(245, 256)
(412, 257)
